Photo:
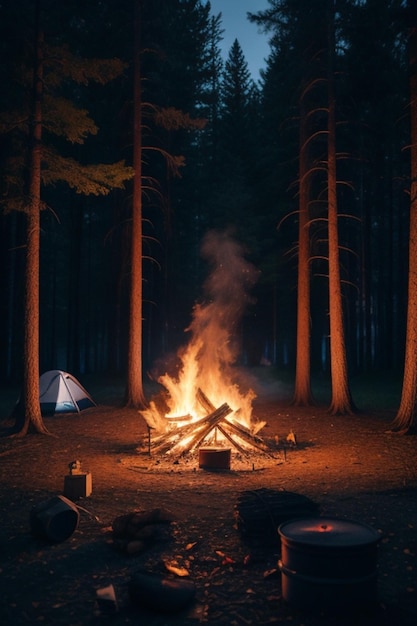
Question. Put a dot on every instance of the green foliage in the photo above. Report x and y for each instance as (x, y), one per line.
(62, 65)
(239, 147)
(174, 119)
(62, 119)
(97, 179)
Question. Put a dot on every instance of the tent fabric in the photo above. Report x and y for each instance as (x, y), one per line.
(60, 392)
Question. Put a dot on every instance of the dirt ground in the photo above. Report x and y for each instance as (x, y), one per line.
(350, 466)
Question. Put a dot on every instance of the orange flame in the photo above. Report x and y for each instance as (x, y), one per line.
(207, 362)
(202, 369)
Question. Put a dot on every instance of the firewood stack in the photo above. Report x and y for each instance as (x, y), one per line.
(258, 514)
(135, 532)
(188, 437)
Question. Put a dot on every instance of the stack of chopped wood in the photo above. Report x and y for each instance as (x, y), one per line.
(136, 531)
(190, 436)
(259, 512)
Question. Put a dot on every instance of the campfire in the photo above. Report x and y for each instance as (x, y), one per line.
(205, 401)
(218, 427)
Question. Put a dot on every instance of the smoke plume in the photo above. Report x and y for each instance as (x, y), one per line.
(215, 327)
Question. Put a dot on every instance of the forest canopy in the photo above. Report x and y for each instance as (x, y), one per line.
(221, 152)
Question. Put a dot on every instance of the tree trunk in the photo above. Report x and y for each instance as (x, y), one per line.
(405, 420)
(32, 416)
(134, 389)
(302, 388)
(341, 402)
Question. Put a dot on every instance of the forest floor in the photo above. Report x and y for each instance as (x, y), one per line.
(352, 467)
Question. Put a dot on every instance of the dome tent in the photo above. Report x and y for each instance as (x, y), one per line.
(60, 392)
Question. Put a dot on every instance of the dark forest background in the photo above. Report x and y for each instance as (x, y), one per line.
(236, 173)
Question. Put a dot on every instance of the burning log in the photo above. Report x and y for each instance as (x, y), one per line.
(238, 429)
(245, 435)
(187, 437)
(230, 439)
(215, 417)
(204, 401)
(197, 431)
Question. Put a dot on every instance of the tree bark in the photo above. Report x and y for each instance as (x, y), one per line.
(405, 420)
(32, 411)
(134, 389)
(341, 402)
(302, 389)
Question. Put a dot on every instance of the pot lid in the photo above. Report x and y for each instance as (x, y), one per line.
(328, 531)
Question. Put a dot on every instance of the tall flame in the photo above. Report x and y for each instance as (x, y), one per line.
(207, 361)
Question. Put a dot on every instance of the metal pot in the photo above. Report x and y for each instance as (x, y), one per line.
(328, 563)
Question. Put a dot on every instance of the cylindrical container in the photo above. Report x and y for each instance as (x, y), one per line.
(214, 458)
(328, 563)
(54, 520)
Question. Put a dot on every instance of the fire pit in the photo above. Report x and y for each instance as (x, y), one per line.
(218, 428)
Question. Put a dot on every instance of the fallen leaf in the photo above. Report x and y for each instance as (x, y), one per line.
(178, 571)
(227, 560)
